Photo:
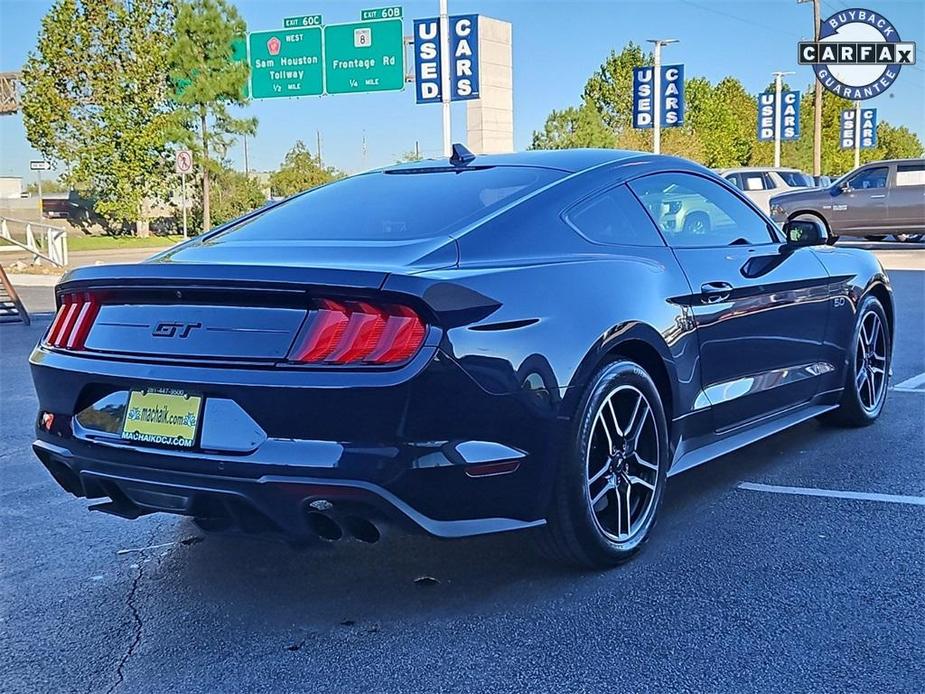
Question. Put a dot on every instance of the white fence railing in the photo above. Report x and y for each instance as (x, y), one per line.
(43, 241)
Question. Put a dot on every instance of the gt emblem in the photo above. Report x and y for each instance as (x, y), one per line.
(174, 329)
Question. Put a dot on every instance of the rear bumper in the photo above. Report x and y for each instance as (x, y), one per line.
(412, 449)
(267, 505)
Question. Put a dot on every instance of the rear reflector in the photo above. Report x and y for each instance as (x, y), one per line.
(359, 333)
(73, 321)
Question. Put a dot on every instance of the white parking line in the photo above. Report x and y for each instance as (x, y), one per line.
(833, 493)
(916, 384)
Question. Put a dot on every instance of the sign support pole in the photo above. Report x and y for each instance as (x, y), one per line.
(657, 84)
(778, 77)
(40, 189)
(445, 76)
(657, 117)
(183, 178)
(857, 134)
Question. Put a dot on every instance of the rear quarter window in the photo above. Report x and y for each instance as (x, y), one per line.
(614, 217)
(910, 175)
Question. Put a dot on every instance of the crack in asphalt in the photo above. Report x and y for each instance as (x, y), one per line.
(137, 624)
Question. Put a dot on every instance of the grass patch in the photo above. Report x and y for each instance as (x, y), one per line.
(103, 243)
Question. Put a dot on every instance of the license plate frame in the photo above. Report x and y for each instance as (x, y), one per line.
(164, 417)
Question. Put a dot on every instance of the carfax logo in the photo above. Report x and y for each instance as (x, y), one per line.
(858, 55)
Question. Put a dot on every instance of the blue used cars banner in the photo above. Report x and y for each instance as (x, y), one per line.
(672, 92)
(789, 113)
(463, 59)
(866, 128)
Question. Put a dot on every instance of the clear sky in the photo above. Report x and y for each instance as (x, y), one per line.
(557, 45)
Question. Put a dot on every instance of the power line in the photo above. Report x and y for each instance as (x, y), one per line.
(723, 13)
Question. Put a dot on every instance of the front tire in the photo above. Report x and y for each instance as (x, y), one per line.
(609, 486)
(868, 368)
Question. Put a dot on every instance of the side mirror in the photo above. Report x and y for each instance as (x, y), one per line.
(845, 188)
(805, 232)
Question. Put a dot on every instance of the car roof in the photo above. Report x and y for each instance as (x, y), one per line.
(910, 160)
(746, 169)
(569, 160)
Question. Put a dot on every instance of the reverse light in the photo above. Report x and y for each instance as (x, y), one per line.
(72, 323)
(359, 332)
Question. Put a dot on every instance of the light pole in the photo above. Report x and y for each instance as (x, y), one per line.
(445, 76)
(817, 98)
(857, 134)
(778, 78)
(657, 75)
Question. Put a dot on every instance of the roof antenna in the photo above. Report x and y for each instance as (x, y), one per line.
(461, 156)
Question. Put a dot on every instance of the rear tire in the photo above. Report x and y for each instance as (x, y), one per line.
(867, 370)
(610, 484)
(875, 238)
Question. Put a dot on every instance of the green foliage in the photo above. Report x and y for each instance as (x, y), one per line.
(574, 127)
(52, 186)
(410, 155)
(207, 82)
(610, 88)
(96, 99)
(300, 171)
(233, 194)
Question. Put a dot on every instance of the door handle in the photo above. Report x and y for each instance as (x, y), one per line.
(877, 197)
(715, 292)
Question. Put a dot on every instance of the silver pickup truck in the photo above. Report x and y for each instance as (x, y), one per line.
(873, 201)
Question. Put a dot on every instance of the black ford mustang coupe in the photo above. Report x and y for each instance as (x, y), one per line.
(527, 341)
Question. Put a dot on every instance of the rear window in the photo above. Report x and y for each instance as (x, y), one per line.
(910, 175)
(797, 179)
(393, 206)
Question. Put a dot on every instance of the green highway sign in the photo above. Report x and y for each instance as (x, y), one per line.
(286, 63)
(364, 57)
(381, 13)
(311, 20)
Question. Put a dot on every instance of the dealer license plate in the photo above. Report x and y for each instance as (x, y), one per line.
(163, 417)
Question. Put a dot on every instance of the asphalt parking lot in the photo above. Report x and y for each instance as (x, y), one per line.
(738, 590)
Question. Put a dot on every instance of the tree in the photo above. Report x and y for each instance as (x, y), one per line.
(411, 155)
(300, 171)
(610, 88)
(574, 127)
(234, 193)
(96, 98)
(208, 80)
(52, 186)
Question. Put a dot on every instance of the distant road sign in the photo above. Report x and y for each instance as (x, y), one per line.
(39, 166)
(381, 13)
(184, 161)
(286, 63)
(311, 20)
(364, 57)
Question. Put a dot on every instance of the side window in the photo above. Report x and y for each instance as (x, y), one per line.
(614, 217)
(754, 181)
(769, 182)
(694, 211)
(736, 180)
(910, 175)
(869, 178)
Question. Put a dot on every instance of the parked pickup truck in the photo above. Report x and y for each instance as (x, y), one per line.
(873, 201)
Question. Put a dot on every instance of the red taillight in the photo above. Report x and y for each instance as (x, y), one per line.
(359, 332)
(73, 321)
